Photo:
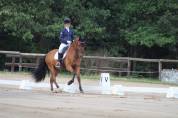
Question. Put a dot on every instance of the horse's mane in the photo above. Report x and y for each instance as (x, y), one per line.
(74, 44)
(73, 48)
(75, 41)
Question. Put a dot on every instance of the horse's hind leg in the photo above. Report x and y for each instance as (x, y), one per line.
(53, 77)
(51, 83)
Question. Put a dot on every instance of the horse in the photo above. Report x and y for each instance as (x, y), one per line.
(71, 63)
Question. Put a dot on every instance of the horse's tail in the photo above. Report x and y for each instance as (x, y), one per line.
(40, 72)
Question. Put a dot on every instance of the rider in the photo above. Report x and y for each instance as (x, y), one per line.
(66, 38)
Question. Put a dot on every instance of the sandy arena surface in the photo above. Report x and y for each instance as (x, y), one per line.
(15, 103)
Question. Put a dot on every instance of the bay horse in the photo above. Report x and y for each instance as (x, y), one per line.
(71, 63)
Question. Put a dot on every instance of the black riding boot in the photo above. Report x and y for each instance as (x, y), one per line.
(60, 55)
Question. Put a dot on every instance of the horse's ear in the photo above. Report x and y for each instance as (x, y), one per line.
(81, 39)
(77, 39)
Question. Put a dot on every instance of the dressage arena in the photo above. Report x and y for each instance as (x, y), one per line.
(41, 103)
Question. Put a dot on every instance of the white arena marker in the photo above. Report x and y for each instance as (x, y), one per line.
(118, 90)
(105, 83)
(25, 84)
(172, 92)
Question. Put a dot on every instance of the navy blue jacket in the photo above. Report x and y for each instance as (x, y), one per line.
(66, 36)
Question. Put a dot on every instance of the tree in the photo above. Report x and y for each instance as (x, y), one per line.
(111, 27)
(151, 22)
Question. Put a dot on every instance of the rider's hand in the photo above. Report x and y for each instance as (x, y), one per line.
(69, 42)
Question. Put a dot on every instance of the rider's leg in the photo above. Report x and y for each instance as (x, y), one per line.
(60, 51)
(60, 55)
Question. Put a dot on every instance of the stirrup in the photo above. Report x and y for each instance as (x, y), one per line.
(58, 65)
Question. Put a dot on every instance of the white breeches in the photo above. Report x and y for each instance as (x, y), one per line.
(62, 47)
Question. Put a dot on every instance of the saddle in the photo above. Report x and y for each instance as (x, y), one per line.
(61, 64)
(56, 55)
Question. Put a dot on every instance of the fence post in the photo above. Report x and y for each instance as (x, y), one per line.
(13, 64)
(128, 67)
(160, 68)
(20, 63)
(37, 60)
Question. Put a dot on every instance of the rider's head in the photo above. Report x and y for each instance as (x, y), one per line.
(67, 22)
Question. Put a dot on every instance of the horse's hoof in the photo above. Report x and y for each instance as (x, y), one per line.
(70, 82)
(58, 66)
(58, 90)
(81, 91)
(55, 91)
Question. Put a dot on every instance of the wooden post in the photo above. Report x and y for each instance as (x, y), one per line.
(160, 68)
(121, 66)
(20, 63)
(37, 61)
(128, 67)
(13, 64)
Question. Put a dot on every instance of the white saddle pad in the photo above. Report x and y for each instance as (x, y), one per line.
(56, 55)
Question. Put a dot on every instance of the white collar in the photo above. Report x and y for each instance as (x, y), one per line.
(67, 28)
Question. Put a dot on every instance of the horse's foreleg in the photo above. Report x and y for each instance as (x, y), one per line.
(70, 69)
(72, 80)
(79, 82)
(75, 70)
(78, 78)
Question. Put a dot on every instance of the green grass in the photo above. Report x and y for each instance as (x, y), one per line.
(14, 73)
(119, 78)
(128, 79)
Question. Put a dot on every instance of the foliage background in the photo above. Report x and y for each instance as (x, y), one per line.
(134, 28)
